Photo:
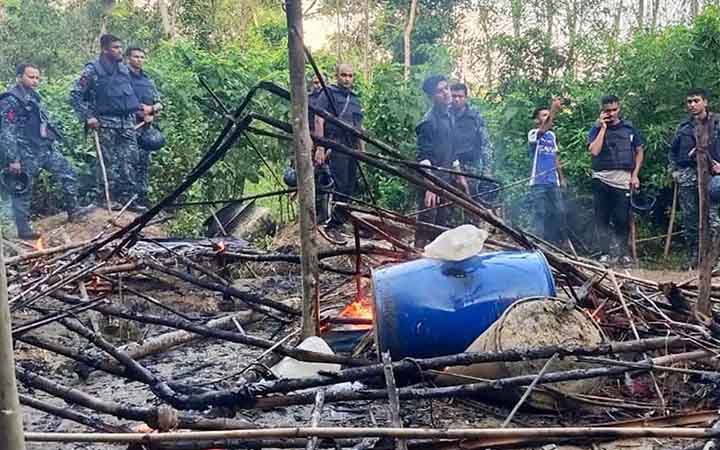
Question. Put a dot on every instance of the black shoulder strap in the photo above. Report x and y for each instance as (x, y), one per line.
(99, 68)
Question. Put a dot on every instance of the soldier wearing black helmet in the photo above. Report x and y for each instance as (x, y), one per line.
(30, 143)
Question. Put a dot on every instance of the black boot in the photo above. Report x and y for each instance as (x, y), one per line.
(25, 231)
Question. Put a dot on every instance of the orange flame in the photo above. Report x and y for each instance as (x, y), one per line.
(220, 247)
(39, 244)
(361, 308)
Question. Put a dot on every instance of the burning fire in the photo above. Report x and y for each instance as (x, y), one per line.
(361, 308)
(220, 247)
(39, 244)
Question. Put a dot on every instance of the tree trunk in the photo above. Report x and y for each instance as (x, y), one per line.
(11, 425)
(487, 48)
(549, 24)
(304, 168)
(641, 14)
(516, 12)
(694, 9)
(572, 25)
(407, 35)
(168, 19)
(655, 14)
(366, 46)
(338, 31)
(707, 255)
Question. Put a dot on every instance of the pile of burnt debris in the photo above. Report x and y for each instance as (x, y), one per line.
(198, 340)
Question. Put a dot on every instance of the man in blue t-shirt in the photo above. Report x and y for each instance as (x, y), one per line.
(546, 177)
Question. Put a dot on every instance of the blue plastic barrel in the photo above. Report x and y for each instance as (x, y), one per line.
(427, 307)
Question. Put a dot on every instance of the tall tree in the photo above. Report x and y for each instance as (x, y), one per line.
(407, 35)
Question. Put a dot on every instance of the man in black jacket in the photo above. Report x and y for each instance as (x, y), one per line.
(349, 110)
(684, 169)
(435, 147)
(29, 143)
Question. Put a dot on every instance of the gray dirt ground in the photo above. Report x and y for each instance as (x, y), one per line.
(207, 360)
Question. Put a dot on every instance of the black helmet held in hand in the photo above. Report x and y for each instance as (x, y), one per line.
(14, 183)
(151, 139)
(642, 202)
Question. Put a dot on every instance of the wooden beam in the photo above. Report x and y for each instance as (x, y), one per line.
(11, 426)
(304, 168)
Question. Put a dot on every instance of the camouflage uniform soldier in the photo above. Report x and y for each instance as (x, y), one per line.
(473, 148)
(30, 143)
(684, 169)
(103, 98)
(148, 95)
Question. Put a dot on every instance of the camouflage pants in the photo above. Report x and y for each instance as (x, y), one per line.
(52, 160)
(143, 173)
(122, 161)
(688, 195)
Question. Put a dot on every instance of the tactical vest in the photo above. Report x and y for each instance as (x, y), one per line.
(35, 128)
(114, 94)
(443, 147)
(144, 88)
(618, 151)
(349, 111)
(685, 141)
(466, 140)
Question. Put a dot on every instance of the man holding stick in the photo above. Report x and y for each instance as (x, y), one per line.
(104, 99)
(683, 166)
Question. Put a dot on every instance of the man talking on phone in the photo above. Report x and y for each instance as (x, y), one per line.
(617, 150)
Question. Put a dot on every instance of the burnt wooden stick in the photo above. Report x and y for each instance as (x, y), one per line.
(26, 327)
(462, 391)
(393, 398)
(239, 338)
(64, 412)
(46, 252)
(146, 297)
(478, 431)
(465, 359)
(173, 339)
(52, 288)
(227, 290)
(312, 443)
(150, 416)
(158, 387)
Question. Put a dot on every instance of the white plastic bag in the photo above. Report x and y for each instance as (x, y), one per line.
(457, 244)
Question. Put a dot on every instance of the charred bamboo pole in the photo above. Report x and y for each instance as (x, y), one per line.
(174, 339)
(227, 290)
(239, 338)
(466, 359)
(62, 411)
(46, 252)
(158, 387)
(312, 443)
(460, 391)
(405, 433)
(393, 398)
(150, 416)
(11, 422)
